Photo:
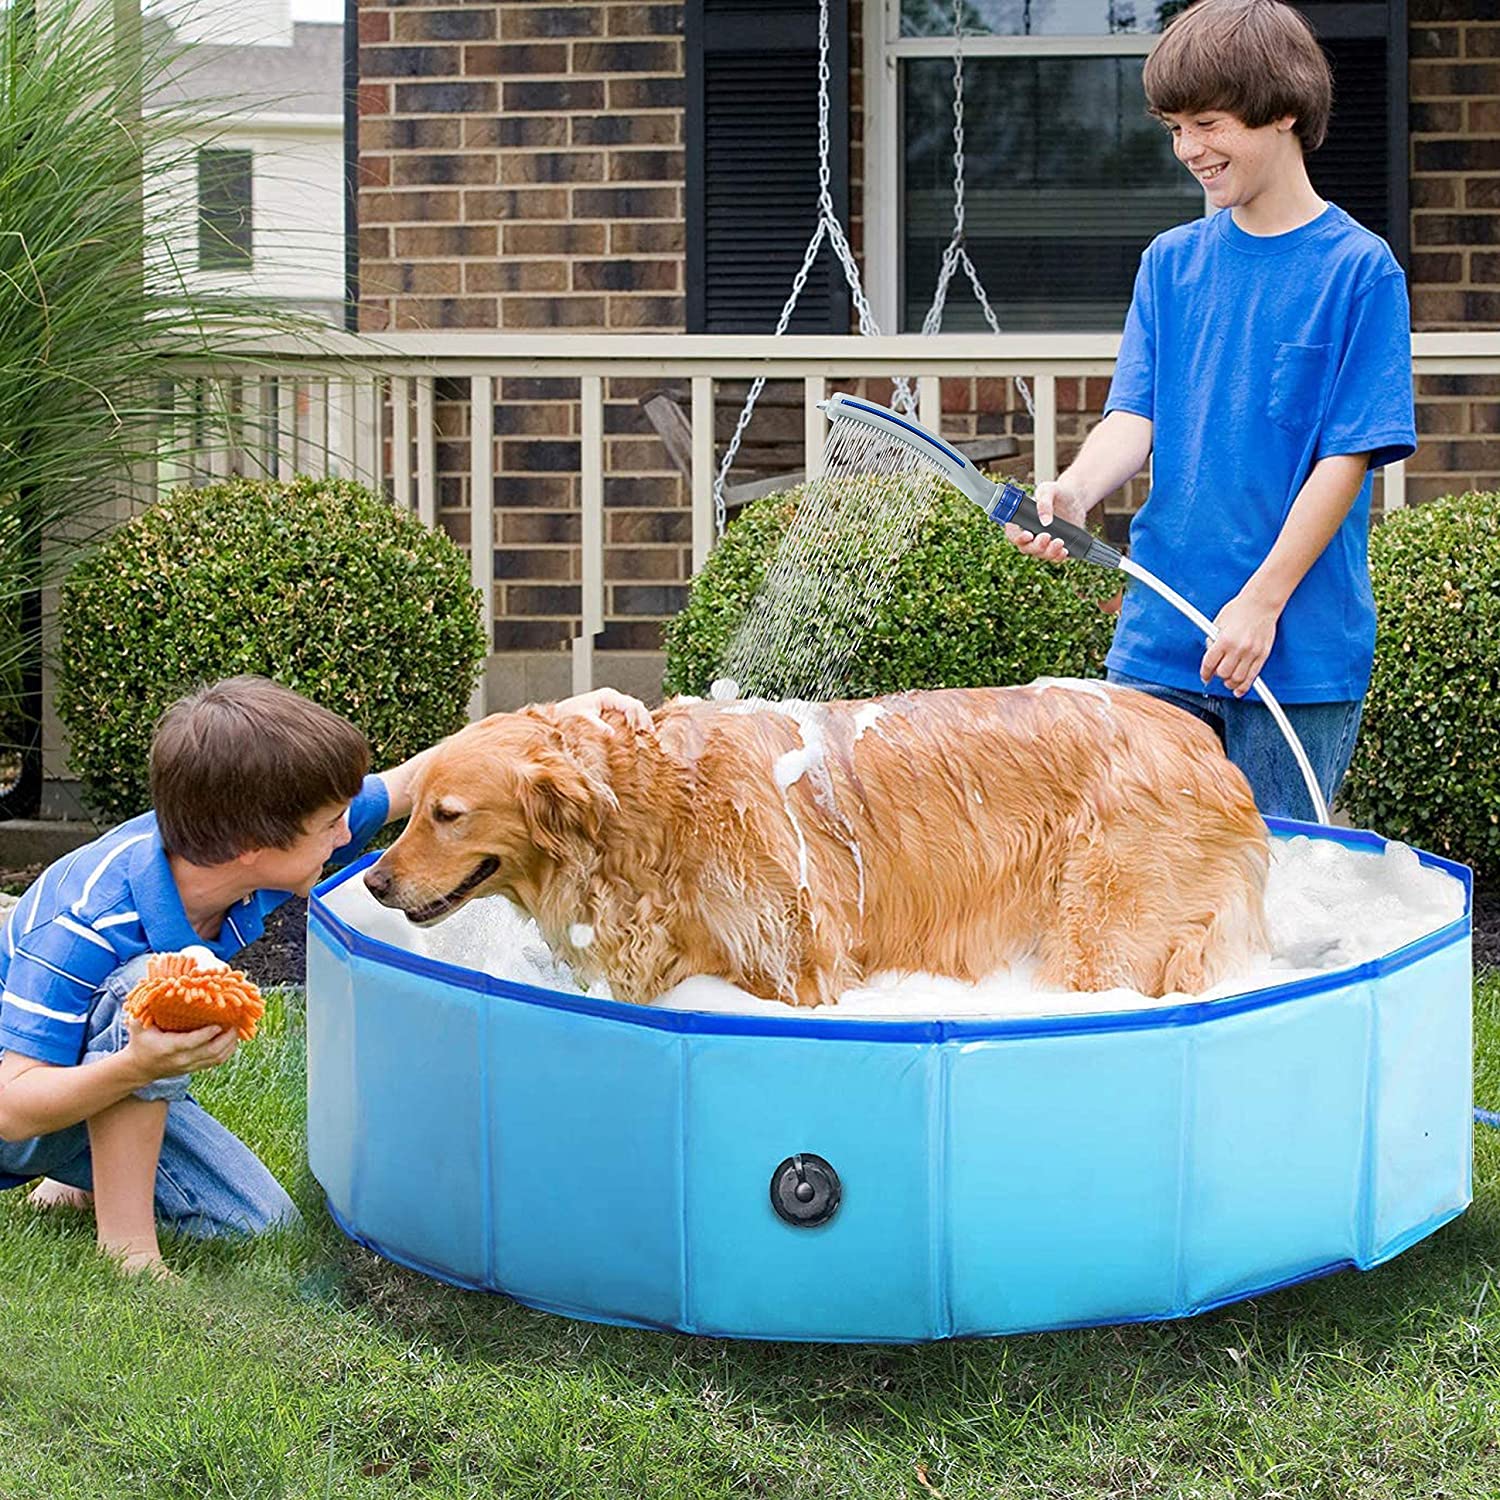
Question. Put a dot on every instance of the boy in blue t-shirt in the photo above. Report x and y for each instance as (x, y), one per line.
(255, 789)
(1265, 369)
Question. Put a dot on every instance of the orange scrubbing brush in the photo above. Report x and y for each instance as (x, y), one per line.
(178, 994)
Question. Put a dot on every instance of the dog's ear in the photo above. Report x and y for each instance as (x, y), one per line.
(562, 801)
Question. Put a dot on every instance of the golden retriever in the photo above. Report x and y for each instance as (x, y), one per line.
(796, 849)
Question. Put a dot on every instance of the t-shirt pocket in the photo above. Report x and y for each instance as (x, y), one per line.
(1299, 373)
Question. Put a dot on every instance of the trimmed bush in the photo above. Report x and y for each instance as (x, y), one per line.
(964, 608)
(318, 584)
(1426, 769)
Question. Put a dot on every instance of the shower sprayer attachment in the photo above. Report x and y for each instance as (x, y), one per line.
(1001, 502)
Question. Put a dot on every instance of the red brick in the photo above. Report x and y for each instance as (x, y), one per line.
(1481, 40)
(647, 312)
(628, 203)
(632, 527)
(434, 241)
(407, 208)
(425, 169)
(653, 564)
(632, 238)
(515, 276)
(471, 24)
(644, 20)
(374, 26)
(410, 62)
(1436, 117)
(1434, 192)
(1429, 305)
(1442, 417)
(541, 599)
(551, 20)
(552, 312)
(531, 635)
(1482, 192)
(1434, 41)
(552, 166)
(1442, 80)
(429, 278)
(1485, 416)
(505, 131)
(445, 312)
(560, 97)
(485, 205)
(627, 130)
(374, 171)
(542, 564)
(1484, 116)
(645, 93)
(632, 275)
(1447, 265)
(646, 166)
(627, 57)
(539, 527)
(1466, 155)
(1456, 229)
(554, 239)
(373, 99)
(511, 60)
(1484, 268)
(382, 133)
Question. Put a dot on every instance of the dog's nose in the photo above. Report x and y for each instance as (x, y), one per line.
(378, 882)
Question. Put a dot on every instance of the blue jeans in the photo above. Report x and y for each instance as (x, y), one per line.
(208, 1182)
(1254, 743)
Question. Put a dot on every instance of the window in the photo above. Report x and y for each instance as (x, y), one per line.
(752, 163)
(1067, 178)
(224, 210)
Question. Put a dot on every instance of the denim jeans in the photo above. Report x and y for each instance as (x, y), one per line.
(208, 1182)
(1254, 743)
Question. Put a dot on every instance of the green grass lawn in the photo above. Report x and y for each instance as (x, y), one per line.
(303, 1366)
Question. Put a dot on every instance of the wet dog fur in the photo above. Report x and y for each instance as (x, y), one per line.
(947, 832)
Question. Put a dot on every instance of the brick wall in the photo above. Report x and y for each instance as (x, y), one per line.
(1455, 262)
(522, 168)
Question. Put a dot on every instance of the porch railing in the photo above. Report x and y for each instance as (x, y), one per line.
(365, 406)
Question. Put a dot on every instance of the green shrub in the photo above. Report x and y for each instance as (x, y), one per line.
(963, 609)
(317, 584)
(1426, 768)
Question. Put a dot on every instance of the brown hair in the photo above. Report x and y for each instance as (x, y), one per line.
(1256, 59)
(241, 765)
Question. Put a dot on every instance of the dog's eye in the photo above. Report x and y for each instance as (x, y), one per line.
(443, 813)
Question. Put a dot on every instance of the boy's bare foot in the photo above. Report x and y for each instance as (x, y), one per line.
(147, 1264)
(50, 1194)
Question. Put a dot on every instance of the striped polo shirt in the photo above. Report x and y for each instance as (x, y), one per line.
(105, 904)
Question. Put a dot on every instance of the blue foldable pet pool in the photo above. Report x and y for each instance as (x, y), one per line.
(761, 1177)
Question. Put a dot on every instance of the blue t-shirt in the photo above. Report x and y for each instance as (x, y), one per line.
(1255, 357)
(105, 904)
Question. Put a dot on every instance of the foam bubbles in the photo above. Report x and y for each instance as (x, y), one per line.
(1328, 907)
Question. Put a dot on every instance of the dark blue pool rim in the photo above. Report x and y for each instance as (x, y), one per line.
(711, 1023)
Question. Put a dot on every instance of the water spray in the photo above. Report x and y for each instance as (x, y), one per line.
(1007, 502)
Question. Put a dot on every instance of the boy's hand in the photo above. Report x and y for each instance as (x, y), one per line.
(1051, 500)
(637, 715)
(1247, 631)
(168, 1054)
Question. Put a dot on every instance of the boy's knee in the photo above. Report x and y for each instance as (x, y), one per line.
(107, 1033)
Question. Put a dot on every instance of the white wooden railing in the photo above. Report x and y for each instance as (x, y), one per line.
(283, 405)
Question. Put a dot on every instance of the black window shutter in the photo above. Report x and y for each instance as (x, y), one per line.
(1362, 164)
(752, 164)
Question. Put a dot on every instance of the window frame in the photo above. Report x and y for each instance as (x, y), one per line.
(885, 49)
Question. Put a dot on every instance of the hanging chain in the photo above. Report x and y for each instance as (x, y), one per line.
(957, 253)
(828, 224)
